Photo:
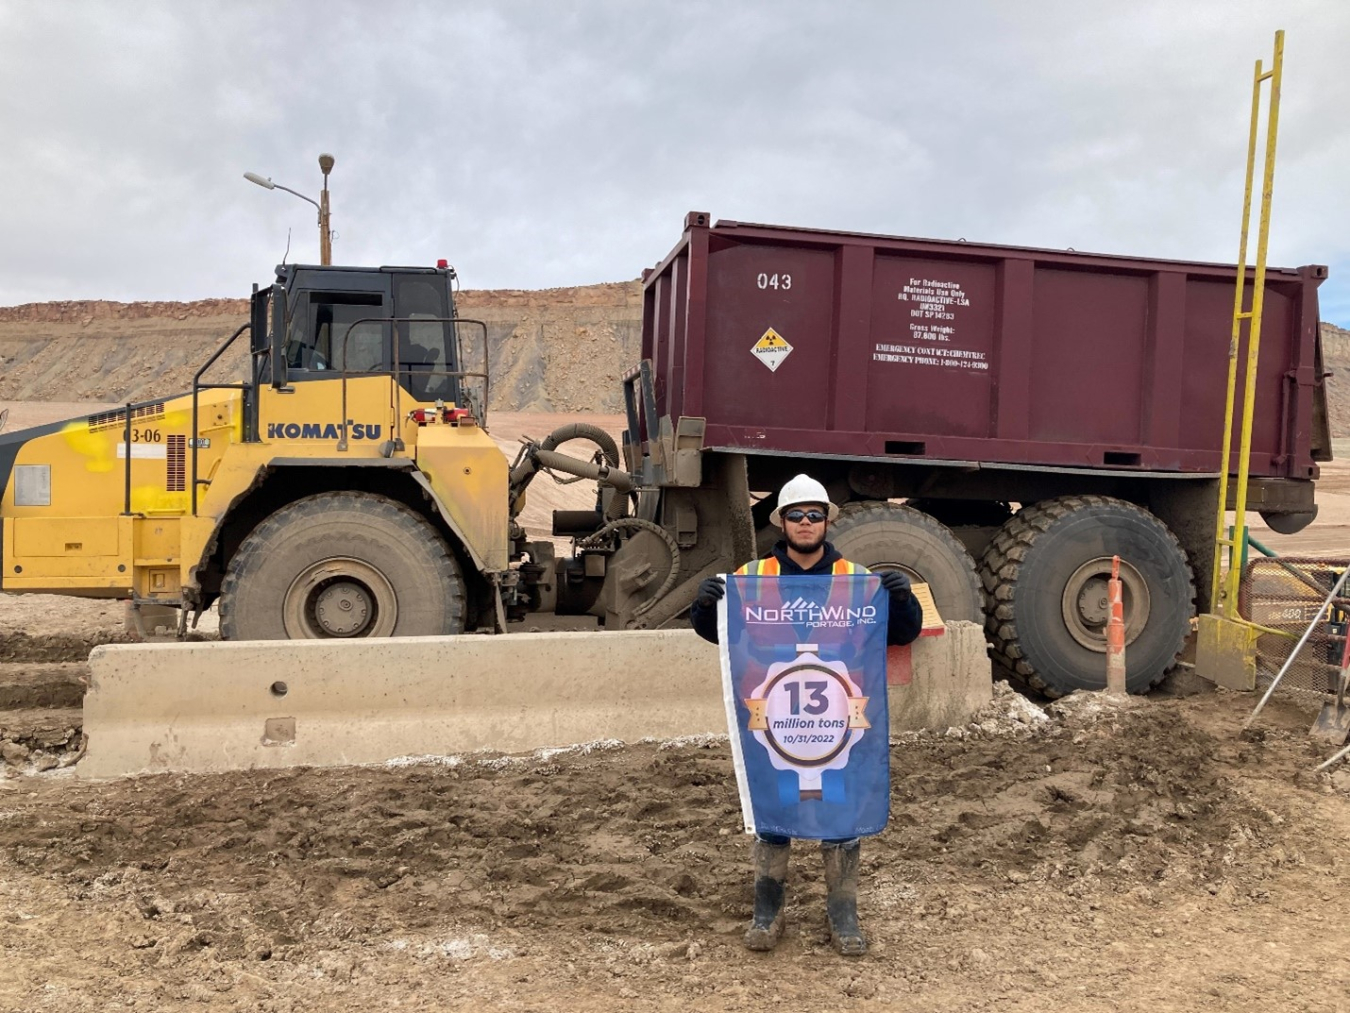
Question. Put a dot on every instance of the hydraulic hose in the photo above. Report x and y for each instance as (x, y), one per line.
(602, 473)
(583, 431)
(543, 455)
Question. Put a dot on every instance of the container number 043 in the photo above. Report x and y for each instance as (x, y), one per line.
(783, 281)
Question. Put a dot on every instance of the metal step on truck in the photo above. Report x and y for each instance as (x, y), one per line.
(996, 421)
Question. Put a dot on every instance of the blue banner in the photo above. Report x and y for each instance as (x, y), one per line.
(804, 680)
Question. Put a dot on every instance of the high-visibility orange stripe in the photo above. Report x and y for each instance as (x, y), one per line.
(771, 567)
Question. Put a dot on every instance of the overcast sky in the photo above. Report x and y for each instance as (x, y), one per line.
(555, 143)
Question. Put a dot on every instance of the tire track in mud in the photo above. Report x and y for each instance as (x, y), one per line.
(42, 682)
(43, 677)
(56, 647)
(41, 724)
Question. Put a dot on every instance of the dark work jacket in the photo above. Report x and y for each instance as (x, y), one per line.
(906, 614)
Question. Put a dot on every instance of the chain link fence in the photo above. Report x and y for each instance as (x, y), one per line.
(1284, 594)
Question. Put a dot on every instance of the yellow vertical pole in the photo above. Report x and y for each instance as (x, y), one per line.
(1254, 332)
(1220, 604)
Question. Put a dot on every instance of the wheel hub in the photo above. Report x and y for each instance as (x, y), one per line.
(340, 597)
(1094, 602)
(343, 608)
(1086, 603)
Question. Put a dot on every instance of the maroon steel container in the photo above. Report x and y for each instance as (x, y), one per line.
(797, 341)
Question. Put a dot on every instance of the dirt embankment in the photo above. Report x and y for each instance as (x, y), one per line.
(557, 350)
(551, 350)
(1336, 360)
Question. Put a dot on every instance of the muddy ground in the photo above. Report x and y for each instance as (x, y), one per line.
(1146, 858)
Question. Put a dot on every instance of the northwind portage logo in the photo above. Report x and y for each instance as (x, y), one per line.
(806, 613)
(321, 431)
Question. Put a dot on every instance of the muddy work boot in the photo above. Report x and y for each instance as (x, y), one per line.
(841, 897)
(766, 927)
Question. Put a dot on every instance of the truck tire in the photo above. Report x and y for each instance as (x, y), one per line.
(342, 565)
(1045, 576)
(888, 536)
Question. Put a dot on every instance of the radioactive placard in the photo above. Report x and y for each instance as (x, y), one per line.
(771, 349)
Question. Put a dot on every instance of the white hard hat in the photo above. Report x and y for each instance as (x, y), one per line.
(802, 489)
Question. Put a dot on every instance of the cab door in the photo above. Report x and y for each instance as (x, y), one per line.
(334, 333)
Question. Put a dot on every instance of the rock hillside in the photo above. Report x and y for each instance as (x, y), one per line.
(550, 350)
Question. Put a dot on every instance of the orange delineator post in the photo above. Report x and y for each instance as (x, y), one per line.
(1115, 633)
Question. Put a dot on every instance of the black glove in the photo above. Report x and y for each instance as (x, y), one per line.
(896, 584)
(710, 592)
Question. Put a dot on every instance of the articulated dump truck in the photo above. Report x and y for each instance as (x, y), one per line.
(997, 422)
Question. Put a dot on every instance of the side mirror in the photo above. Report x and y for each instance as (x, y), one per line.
(278, 336)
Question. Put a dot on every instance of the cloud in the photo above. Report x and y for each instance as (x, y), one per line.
(551, 144)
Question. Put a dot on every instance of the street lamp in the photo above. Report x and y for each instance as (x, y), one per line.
(325, 231)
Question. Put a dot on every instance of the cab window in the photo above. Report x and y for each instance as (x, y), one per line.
(334, 331)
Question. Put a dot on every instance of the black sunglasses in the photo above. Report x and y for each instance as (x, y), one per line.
(797, 516)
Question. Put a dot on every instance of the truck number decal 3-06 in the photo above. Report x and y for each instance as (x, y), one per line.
(322, 431)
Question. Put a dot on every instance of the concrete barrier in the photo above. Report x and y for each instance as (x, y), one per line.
(241, 705)
(937, 682)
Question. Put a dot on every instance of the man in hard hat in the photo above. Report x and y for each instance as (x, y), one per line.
(804, 512)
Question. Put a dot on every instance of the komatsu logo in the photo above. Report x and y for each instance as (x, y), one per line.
(321, 431)
(804, 613)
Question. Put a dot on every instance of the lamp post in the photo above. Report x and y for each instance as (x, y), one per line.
(325, 232)
(325, 226)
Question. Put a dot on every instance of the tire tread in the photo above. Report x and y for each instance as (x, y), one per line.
(252, 554)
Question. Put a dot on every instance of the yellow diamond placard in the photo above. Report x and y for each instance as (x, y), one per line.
(771, 349)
